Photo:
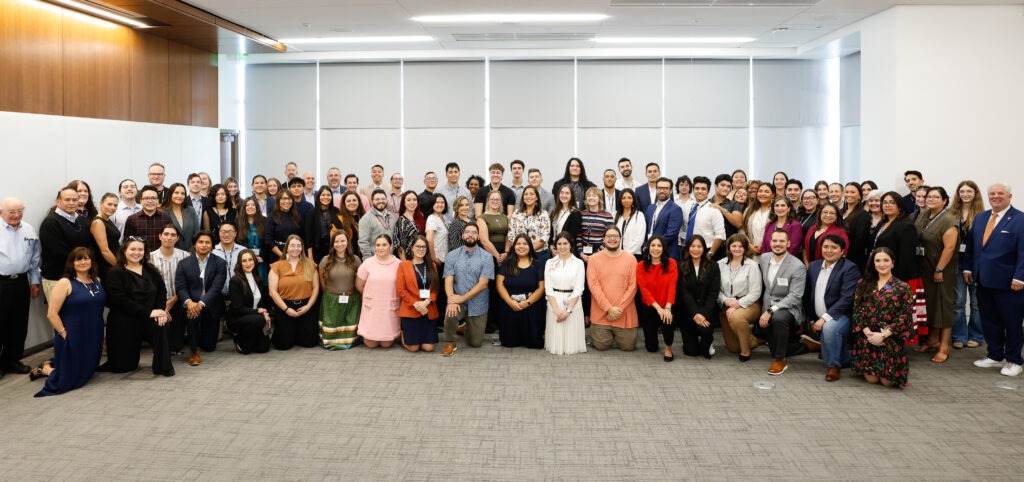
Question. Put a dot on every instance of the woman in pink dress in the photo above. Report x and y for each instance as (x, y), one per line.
(377, 280)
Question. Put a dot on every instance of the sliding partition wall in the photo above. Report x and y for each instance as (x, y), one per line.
(690, 116)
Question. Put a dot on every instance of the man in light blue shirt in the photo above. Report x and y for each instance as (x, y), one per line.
(19, 283)
(467, 271)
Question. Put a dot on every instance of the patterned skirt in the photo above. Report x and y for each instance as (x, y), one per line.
(338, 321)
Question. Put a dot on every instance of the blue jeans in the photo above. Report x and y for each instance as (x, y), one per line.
(834, 351)
(962, 331)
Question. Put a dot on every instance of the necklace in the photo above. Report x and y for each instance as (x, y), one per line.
(89, 287)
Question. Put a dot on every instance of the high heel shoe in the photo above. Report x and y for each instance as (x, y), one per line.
(669, 358)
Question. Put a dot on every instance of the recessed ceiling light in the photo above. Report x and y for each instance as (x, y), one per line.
(358, 40)
(512, 18)
(673, 40)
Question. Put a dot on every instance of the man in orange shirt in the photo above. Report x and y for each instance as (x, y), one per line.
(611, 275)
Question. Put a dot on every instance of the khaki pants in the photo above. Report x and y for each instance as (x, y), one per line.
(603, 335)
(48, 285)
(475, 326)
(736, 328)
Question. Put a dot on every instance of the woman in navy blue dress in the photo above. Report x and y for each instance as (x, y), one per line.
(520, 286)
(76, 313)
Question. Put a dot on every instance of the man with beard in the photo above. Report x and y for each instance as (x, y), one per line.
(148, 223)
(334, 183)
(375, 222)
(665, 218)
(646, 193)
(626, 171)
(467, 271)
(611, 276)
(611, 195)
(784, 279)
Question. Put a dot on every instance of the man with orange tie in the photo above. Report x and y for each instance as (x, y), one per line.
(995, 259)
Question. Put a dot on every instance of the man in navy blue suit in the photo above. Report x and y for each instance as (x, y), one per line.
(199, 281)
(664, 217)
(645, 195)
(995, 259)
(828, 302)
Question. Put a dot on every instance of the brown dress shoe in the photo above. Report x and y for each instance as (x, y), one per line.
(778, 366)
(813, 346)
(832, 374)
(195, 359)
(449, 349)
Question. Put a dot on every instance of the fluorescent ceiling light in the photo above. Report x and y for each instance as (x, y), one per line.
(357, 40)
(89, 9)
(512, 18)
(673, 40)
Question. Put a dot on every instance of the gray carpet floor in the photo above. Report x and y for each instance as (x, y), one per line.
(498, 413)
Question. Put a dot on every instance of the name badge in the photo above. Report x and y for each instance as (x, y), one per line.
(588, 250)
(256, 251)
(963, 247)
(782, 281)
(919, 250)
(425, 294)
(342, 299)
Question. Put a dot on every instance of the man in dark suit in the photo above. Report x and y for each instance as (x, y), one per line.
(199, 281)
(995, 259)
(665, 218)
(828, 296)
(645, 194)
(611, 195)
(784, 278)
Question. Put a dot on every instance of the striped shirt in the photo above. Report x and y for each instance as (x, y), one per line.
(166, 267)
(592, 226)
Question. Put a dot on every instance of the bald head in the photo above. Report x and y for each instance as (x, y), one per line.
(11, 210)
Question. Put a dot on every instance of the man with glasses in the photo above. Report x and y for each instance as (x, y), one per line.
(60, 232)
(228, 251)
(395, 194)
(430, 183)
(611, 278)
(156, 180)
(148, 223)
(19, 283)
(664, 218)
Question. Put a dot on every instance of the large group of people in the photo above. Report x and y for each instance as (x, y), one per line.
(842, 269)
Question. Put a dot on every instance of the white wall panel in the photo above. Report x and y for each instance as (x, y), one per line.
(266, 152)
(540, 148)
(619, 93)
(849, 90)
(356, 150)
(790, 93)
(444, 94)
(795, 150)
(365, 95)
(532, 94)
(280, 96)
(91, 143)
(707, 93)
(849, 160)
(431, 149)
(705, 152)
(601, 149)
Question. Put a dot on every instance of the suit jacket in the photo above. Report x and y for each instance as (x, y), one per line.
(572, 226)
(669, 222)
(699, 295)
(644, 197)
(788, 297)
(409, 293)
(1000, 261)
(839, 291)
(902, 239)
(190, 286)
(241, 298)
(187, 228)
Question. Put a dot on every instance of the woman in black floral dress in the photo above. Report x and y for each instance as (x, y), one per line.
(882, 322)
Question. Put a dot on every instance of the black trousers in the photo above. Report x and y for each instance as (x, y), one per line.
(203, 331)
(696, 339)
(248, 330)
(176, 331)
(14, 300)
(124, 340)
(303, 330)
(783, 335)
(651, 324)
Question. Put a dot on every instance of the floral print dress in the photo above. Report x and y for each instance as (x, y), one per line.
(891, 305)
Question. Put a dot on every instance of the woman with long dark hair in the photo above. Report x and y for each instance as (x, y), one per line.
(808, 211)
(409, 225)
(576, 178)
(564, 279)
(631, 223)
(828, 221)
(248, 316)
(566, 215)
(182, 215)
(105, 234)
(882, 322)
(857, 222)
(418, 285)
(282, 223)
(76, 314)
(341, 303)
(221, 211)
(755, 219)
(520, 287)
(320, 223)
(86, 207)
(350, 211)
(656, 278)
(377, 280)
(783, 217)
(936, 227)
(251, 225)
(698, 287)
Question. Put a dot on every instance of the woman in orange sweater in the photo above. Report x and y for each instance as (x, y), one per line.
(418, 285)
(656, 279)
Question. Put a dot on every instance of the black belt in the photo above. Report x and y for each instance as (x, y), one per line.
(296, 302)
(11, 278)
(561, 291)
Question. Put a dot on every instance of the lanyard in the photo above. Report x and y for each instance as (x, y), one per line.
(382, 219)
(936, 218)
(422, 276)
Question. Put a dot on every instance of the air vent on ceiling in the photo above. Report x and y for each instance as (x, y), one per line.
(712, 3)
(520, 37)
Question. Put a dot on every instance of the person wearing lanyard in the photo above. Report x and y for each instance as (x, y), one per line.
(664, 218)
(19, 283)
(611, 195)
(228, 251)
(199, 281)
(375, 223)
(938, 256)
(340, 307)
(418, 285)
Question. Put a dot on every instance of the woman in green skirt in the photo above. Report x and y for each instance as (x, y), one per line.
(340, 306)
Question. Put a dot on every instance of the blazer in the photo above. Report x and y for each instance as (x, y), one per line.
(644, 197)
(669, 222)
(858, 231)
(784, 297)
(839, 291)
(572, 226)
(187, 228)
(1000, 261)
(901, 238)
(409, 292)
(699, 296)
(190, 286)
(241, 298)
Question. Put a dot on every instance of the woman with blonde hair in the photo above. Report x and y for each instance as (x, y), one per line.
(294, 287)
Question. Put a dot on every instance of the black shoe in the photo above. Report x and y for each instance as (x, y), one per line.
(18, 367)
(744, 358)
(669, 358)
(169, 372)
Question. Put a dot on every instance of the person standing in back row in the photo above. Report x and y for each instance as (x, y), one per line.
(19, 283)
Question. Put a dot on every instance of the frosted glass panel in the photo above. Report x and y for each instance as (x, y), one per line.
(356, 150)
(705, 152)
(849, 90)
(267, 152)
(280, 96)
(707, 93)
(364, 95)
(540, 148)
(619, 93)
(602, 148)
(532, 94)
(444, 94)
(790, 93)
(431, 149)
(795, 150)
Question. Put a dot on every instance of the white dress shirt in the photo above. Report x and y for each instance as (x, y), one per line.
(819, 291)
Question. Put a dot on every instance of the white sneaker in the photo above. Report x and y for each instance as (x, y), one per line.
(1011, 369)
(989, 363)
(711, 350)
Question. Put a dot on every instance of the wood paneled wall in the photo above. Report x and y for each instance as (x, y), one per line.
(56, 62)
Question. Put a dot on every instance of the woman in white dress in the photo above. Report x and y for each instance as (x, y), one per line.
(564, 279)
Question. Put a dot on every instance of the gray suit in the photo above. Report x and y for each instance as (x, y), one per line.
(783, 294)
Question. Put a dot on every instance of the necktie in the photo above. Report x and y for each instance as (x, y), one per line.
(988, 229)
(690, 221)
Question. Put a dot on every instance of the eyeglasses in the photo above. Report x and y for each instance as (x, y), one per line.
(149, 198)
(888, 202)
(419, 246)
(156, 174)
(612, 236)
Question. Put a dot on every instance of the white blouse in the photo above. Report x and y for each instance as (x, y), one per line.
(633, 231)
(436, 224)
(756, 226)
(256, 296)
(567, 275)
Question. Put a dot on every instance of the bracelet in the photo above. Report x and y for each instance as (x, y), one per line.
(62, 331)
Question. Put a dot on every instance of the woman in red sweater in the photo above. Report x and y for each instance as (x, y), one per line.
(656, 279)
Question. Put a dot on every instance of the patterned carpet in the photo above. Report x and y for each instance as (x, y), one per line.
(496, 413)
